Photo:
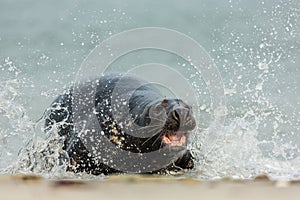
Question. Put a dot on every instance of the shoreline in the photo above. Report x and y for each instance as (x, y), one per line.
(144, 187)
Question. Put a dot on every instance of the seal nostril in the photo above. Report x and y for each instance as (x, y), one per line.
(176, 116)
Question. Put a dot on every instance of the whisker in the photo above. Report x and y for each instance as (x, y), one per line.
(161, 120)
(153, 129)
(152, 126)
(151, 137)
(157, 139)
(161, 144)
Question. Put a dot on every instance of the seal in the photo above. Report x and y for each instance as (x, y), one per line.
(162, 122)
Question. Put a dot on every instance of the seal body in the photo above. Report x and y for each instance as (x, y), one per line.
(129, 113)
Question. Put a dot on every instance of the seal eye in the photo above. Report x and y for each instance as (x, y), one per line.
(164, 102)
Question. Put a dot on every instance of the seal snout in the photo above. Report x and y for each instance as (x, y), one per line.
(180, 116)
(184, 119)
(179, 121)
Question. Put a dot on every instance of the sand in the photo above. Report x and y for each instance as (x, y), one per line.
(144, 187)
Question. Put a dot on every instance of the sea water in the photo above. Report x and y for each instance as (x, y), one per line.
(254, 44)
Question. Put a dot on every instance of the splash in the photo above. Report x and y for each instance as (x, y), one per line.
(260, 135)
(237, 154)
(23, 147)
(16, 126)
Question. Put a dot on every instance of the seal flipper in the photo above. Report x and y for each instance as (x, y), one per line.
(186, 161)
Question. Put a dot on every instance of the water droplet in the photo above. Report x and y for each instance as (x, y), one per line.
(263, 66)
(262, 45)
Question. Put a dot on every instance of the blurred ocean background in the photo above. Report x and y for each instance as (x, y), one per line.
(255, 45)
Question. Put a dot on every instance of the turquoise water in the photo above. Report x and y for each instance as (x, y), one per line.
(255, 45)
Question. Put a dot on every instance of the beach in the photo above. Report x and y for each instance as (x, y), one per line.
(144, 187)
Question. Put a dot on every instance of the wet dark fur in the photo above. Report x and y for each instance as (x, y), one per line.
(141, 100)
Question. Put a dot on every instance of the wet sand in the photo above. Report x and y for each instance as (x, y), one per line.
(142, 187)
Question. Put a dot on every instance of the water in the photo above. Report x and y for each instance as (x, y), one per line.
(255, 45)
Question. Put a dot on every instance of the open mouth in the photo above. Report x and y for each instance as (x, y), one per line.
(176, 138)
